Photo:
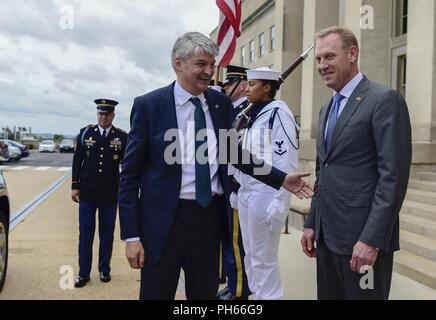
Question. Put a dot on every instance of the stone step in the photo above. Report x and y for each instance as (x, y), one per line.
(423, 185)
(419, 209)
(421, 226)
(418, 245)
(421, 196)
(416, 268)
(427, 176)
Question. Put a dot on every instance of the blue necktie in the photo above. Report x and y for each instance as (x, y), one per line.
(203, 189)
(333, 116)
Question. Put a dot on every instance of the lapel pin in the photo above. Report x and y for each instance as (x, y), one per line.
(217, 106)
(359, 98)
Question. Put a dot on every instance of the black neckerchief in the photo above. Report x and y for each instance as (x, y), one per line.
(255, 110)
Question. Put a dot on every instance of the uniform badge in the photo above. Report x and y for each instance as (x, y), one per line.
(89, 142)
(116, 143)
(115, 157)
(278, 147)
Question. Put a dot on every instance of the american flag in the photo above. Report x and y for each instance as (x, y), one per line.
(228, 29)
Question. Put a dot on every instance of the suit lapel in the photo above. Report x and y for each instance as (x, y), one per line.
(321, 136)
(215, 111)
(356, 98)
(168, 107)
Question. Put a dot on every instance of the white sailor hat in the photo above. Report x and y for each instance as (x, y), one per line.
(263, 73)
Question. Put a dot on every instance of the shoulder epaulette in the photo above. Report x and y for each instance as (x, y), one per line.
(120, 130)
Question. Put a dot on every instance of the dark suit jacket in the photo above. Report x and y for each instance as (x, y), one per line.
(361, 182)
(150, 215)
(96, 164)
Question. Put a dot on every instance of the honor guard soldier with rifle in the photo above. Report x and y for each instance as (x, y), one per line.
(97, 157)
(233, 253)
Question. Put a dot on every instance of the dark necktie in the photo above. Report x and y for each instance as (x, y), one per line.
(104, 133)
(333, 116)
(203, 189)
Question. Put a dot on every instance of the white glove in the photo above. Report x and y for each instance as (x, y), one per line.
(234, 200)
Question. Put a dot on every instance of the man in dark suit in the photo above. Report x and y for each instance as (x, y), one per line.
(362, 171)
(97, 157)
(176, 220)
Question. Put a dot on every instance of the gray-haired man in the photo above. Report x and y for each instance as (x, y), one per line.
(177, 220)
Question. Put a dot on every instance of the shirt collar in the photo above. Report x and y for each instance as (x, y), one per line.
(182, 96)
(239, 102)
(350, 86)
(107, 130)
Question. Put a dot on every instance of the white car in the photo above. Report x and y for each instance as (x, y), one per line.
(47, 146)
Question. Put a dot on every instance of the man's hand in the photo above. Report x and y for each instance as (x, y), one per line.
(75, 195)
(293, 183)
(363, 255)
(135, 254)
(308, 242)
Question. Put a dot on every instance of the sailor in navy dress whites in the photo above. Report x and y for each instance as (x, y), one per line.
(233, 253)
(97, 157)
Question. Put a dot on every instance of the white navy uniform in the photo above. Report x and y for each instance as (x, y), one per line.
(262, 209)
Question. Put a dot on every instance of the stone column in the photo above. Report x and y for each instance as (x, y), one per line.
(290, 15)
(421, 84)
(318, 14)
(375, 43)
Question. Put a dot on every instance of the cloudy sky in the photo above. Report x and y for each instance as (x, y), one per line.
(57, 56)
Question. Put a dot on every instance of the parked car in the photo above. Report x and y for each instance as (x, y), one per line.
(47, 146)
(24, 149)
(4, 152)
(4, 229)
(14, 153)
(67, 145)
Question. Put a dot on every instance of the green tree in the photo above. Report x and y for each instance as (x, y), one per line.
(58, 138)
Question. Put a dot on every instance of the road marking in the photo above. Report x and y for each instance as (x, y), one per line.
(22, 213)
(42, 168)
(64, 169)
(19, 168)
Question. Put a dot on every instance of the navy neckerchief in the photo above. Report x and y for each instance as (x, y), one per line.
(255, 110)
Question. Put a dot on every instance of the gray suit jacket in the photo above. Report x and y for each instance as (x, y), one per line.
(361, 182)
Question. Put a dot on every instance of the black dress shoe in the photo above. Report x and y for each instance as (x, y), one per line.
(81, 281)
(105, 277)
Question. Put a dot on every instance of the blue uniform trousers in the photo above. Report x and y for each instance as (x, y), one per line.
(106, 222)
(233, 261)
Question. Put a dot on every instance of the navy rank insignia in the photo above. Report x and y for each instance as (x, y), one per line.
(278, 147)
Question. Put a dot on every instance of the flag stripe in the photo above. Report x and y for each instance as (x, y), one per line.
(229, 29)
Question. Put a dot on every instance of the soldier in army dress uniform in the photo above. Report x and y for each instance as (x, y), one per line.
(97, 157)
(233, 253)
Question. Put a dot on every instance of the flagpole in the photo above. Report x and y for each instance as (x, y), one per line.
(217, 74)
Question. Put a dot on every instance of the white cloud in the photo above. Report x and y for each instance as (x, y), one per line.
(49, 76)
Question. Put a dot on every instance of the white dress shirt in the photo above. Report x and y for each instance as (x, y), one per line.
(238, 102)
(185, 110)
(107, 130)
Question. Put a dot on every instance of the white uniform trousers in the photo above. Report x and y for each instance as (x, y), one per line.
(261, 243)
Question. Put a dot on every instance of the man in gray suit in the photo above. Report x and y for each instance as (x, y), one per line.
(362, 171)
